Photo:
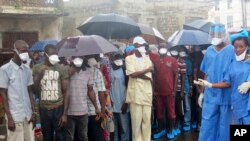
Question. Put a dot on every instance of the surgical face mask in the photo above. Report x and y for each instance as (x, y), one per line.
(23, 56)
(118, 62)
(92, 62)
(53, 59)
(141, 49)
(203, 52)
(78, 62)
(163, 51)
(183, 54)
(216, 41)
(174, 53)
(242, 56)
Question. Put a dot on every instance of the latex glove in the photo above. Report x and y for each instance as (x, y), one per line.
(200, 99)
(244, 87)
(204, 83)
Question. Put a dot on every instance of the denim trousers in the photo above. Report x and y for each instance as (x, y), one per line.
(187, 109)
(78, 125)
(122, 126)
(49, 121)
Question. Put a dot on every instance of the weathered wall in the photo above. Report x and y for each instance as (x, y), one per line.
(166, 15)
(47, 28)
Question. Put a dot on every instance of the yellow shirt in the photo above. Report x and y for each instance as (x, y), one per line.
(139, 90)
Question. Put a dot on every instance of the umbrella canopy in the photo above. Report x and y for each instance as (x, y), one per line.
(147, 30)
(40, 45)
(110, 26)
(188, 37)
(202, 25)
(84, 45)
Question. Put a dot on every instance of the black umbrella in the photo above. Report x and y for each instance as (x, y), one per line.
(202, 25)
(110, 26)
(188, 37)
(84, 45)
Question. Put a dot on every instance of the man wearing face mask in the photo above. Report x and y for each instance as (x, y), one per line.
(187, 89)
(118, 96)
(139, 92)
(94, 115)
(216, 108)
(81, 87)
(51, 82)
(15, 88)
(165, 82)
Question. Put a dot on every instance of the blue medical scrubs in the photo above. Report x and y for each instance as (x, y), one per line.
(237, 74)
(216, 109)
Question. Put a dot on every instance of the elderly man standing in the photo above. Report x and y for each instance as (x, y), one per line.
(139, 92)
(15, 87)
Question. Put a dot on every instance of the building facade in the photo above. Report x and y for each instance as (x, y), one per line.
(29, 20)
(232, 13)
(165, 15)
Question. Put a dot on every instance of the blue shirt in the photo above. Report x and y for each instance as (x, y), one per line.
(215, 65)
(235, 77)
(16, 80)
(118, 89)
(188, 74)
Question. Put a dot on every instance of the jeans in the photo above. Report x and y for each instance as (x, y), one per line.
(49, 122)
(77, 124)
(94, 130)
(122, 126)
(187, 109)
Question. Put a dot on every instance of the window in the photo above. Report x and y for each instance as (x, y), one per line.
(229, 21)
(229, 4)
(217, 5)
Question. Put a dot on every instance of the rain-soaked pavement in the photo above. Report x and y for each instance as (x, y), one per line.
(188, 136)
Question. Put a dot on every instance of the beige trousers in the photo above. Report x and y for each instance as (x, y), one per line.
(141, 122)
(23, 132)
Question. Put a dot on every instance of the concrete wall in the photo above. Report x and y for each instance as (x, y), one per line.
(165, 15)
(47, 28)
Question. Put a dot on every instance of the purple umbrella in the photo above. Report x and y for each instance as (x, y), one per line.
(84, 45)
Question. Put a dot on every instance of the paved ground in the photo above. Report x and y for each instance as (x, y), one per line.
(190, 136)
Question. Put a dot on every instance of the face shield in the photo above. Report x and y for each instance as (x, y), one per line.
(217, 34)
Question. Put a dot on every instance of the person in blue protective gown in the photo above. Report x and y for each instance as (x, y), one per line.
(237, 79)
(216, 109)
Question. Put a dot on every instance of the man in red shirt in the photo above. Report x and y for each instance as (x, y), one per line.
(165, 82)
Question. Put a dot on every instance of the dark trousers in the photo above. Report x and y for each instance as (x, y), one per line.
(78, 124)
(49, 122)
(94, 129)
(179, 109)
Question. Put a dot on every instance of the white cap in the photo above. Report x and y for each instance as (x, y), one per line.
(139, 40)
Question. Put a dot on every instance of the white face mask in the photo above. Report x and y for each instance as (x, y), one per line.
(78, 62)
(183, 54)
(242, 56)
(92, 62)
(216, 41)
(141, 49)
(163, 51)
(118, 62)
(53, 59)
(203, 52)
(24, 56)
(174, 52)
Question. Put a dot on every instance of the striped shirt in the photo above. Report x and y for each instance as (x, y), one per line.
(99, 86)
(182, 71)
(79, 92)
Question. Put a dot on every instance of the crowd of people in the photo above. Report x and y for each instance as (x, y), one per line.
(139, 94)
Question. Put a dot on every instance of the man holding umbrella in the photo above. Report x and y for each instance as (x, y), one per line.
(139, 91)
